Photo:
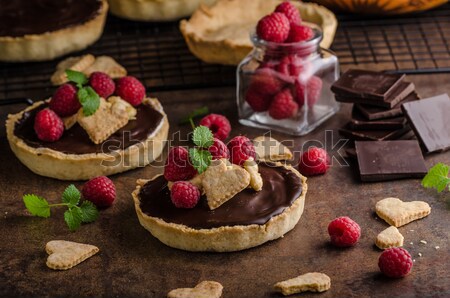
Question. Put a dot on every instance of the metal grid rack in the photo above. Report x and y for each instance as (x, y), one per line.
(158, 55)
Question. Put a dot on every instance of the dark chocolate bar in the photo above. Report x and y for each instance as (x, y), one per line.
(358, 122)
(372, 135)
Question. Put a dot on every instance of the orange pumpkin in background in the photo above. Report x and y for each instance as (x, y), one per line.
(380, 6)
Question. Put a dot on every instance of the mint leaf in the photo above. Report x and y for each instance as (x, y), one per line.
(73, 217)
(77, 77)
(89, 100)
(200, 159)
(71, 195)
(203, 137)
(437, 177)
(89, 212)
(194, 114)
(36, 205)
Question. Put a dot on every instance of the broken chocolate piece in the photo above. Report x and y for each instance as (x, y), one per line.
(374, 112)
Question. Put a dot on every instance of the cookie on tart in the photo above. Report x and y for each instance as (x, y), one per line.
(32, 30)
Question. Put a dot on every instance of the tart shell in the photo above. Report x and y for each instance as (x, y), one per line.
(226, 238)
(49, 45)
(55, 164)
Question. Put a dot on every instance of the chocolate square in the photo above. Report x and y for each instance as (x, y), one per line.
(358, 122)
(430, 120)
(373, 135)
(389, 160)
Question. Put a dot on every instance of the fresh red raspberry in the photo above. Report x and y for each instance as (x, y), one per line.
(218, 124)
(48, 126)
(273, 27)
(102, 84)
(283, 105)
(184, 194)
(313, 92)
(315, 161)
(290, 11)
(265, 81)
(65, 101)
(241, 149)
(178, 166)
(299, 33)
(291, 65)
(100, 190)
(130, 89)
(395, 262)
(259, 102)
(344, 232)
(219, 150)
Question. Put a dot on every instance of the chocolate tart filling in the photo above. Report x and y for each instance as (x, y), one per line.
(281, 188)
(23, 17)
(76, 140)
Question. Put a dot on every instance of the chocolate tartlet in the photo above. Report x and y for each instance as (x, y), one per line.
(75, 157)
(36, 30)
(248, 219)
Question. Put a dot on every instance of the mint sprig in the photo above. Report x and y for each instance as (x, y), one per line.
(89, 99)
(437, 177)
(200, 157)
(203, 137)
(75, 214)
(194, 114)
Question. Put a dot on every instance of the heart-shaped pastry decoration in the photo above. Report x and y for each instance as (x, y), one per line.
(205, 289)
(64, 255)
(252, 168)
(222, 181)
(390, 237)
(398, 213)
(269, 149)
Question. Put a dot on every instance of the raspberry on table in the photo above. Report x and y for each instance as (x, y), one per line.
(241, 149)
(315, 161)
(100, 190)
(290, 11)
(178, 166)
(65, 100)
(102, 84)
(344, 232)
(313, 91)
(219, 150)
(273, 27)
(299, 33)
(283, 105)
(395, 262)
(184, 194)
(48, 126)
(131, 90)
(218, 124)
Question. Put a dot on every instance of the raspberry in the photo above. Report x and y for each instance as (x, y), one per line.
(315, 161)
(218, 124)
(299, 33)
(241, 149)
(395, 262)
(314, 89)
(48, 126)
(291, 65)
(178, 166)
(102, 84)
(344, 232)
(259, 102)
(131, 90)
(100, 191)
(65, 101)
(273, 27)
(265, 81)
(283, 105)
(219, 150)
(290, 11)
(184, 194)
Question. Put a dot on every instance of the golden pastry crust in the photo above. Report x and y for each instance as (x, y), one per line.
(55, 164)
(155, 10)
(226, 238)
(221, 33)
(49, 45)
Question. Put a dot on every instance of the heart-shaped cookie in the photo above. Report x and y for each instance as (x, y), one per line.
(205, 289)
(222, 181)
(398, 213)
(390, 237)
(64, 255)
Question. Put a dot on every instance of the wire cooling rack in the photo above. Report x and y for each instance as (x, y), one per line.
(158, 55)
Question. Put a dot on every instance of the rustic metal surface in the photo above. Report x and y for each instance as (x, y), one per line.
(133, 263)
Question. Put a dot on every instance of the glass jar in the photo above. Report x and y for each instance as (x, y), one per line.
(286, 87)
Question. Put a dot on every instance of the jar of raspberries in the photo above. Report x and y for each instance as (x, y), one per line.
(284, 83)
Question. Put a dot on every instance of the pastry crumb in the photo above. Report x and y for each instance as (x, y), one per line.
(436, 247)
(419, 254)
(423, 242)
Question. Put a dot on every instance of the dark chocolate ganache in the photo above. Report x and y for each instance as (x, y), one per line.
(21, 17)
(76, 140)
(281, 188)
